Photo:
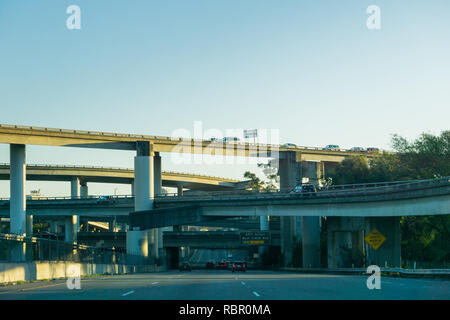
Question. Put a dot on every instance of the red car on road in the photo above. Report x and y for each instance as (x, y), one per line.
(222, 265)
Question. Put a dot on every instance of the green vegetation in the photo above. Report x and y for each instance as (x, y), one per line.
(424, 238)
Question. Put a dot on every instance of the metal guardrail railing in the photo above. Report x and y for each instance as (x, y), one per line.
(338, 191)
(393, 271)
(15, 248)
(264, 146)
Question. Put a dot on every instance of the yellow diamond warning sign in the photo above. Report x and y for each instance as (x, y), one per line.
(375, 239)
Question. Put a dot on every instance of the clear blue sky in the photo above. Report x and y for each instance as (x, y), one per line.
(311, 69)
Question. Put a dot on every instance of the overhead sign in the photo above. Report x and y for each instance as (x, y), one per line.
(256, 238)
(251, 133)
(375, 239)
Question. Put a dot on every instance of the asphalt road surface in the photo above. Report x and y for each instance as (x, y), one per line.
(223, 284)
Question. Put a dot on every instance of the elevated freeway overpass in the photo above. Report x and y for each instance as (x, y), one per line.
(32, 135)
(87, 174)
(294, 163)
(349, 209)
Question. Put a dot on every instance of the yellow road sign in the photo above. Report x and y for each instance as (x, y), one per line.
(375, 239)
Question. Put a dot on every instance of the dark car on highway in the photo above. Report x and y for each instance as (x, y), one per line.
(210, 264)
(305, 188)
(185, 266)
(238, 266)
(222, 265)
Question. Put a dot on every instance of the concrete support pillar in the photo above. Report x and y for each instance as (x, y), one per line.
(17, 209)
(54, 227)
(84, 190)
(290, 172)
(29, 225)
(112, 225)
(345, 242)
(143, 178)
(132, 188)
(157, 232)
(180, 190)
(75, 188)
(311, 242)
(71, 228)
(138, 240)
(389, 253)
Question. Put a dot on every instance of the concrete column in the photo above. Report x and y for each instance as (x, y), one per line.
(75, 188)
(143, 178)
(290, 172)
(157, 232)
(344, 242)
(112, 225)
(29, 225)
(84, 190)
(17, 204)
(132, 188)
(311, 242)
(86, 226)
(389, 253)
(138, 240)
(71, 228)
(54, 227)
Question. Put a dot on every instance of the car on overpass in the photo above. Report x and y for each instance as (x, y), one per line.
(373, 150)
(238, 266)
(332, 147)
(106, 200)
(222, 264)
(230, 139)
(210, 264)
(357, 149)
(185, 266)
(289, 145)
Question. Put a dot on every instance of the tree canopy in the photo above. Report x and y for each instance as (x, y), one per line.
(424, 238)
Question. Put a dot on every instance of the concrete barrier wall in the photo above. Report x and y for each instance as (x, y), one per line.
(13, 272)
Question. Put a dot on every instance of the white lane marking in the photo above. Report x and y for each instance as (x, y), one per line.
(256, 293)
(155, 282)
(243, 283)
(128, 293)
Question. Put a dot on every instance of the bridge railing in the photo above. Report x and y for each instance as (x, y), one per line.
(333, 191)
(25, 249)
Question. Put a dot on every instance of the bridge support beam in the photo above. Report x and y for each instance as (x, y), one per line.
(263, 226)
(180, 190)
(389, 253)
(54, 227)
(75, 188)
(138, 240)
(84, 190)
(311, 242)
(29, 225)
(158, 249)
(17, 209)
(71, 228)
(345, 242)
